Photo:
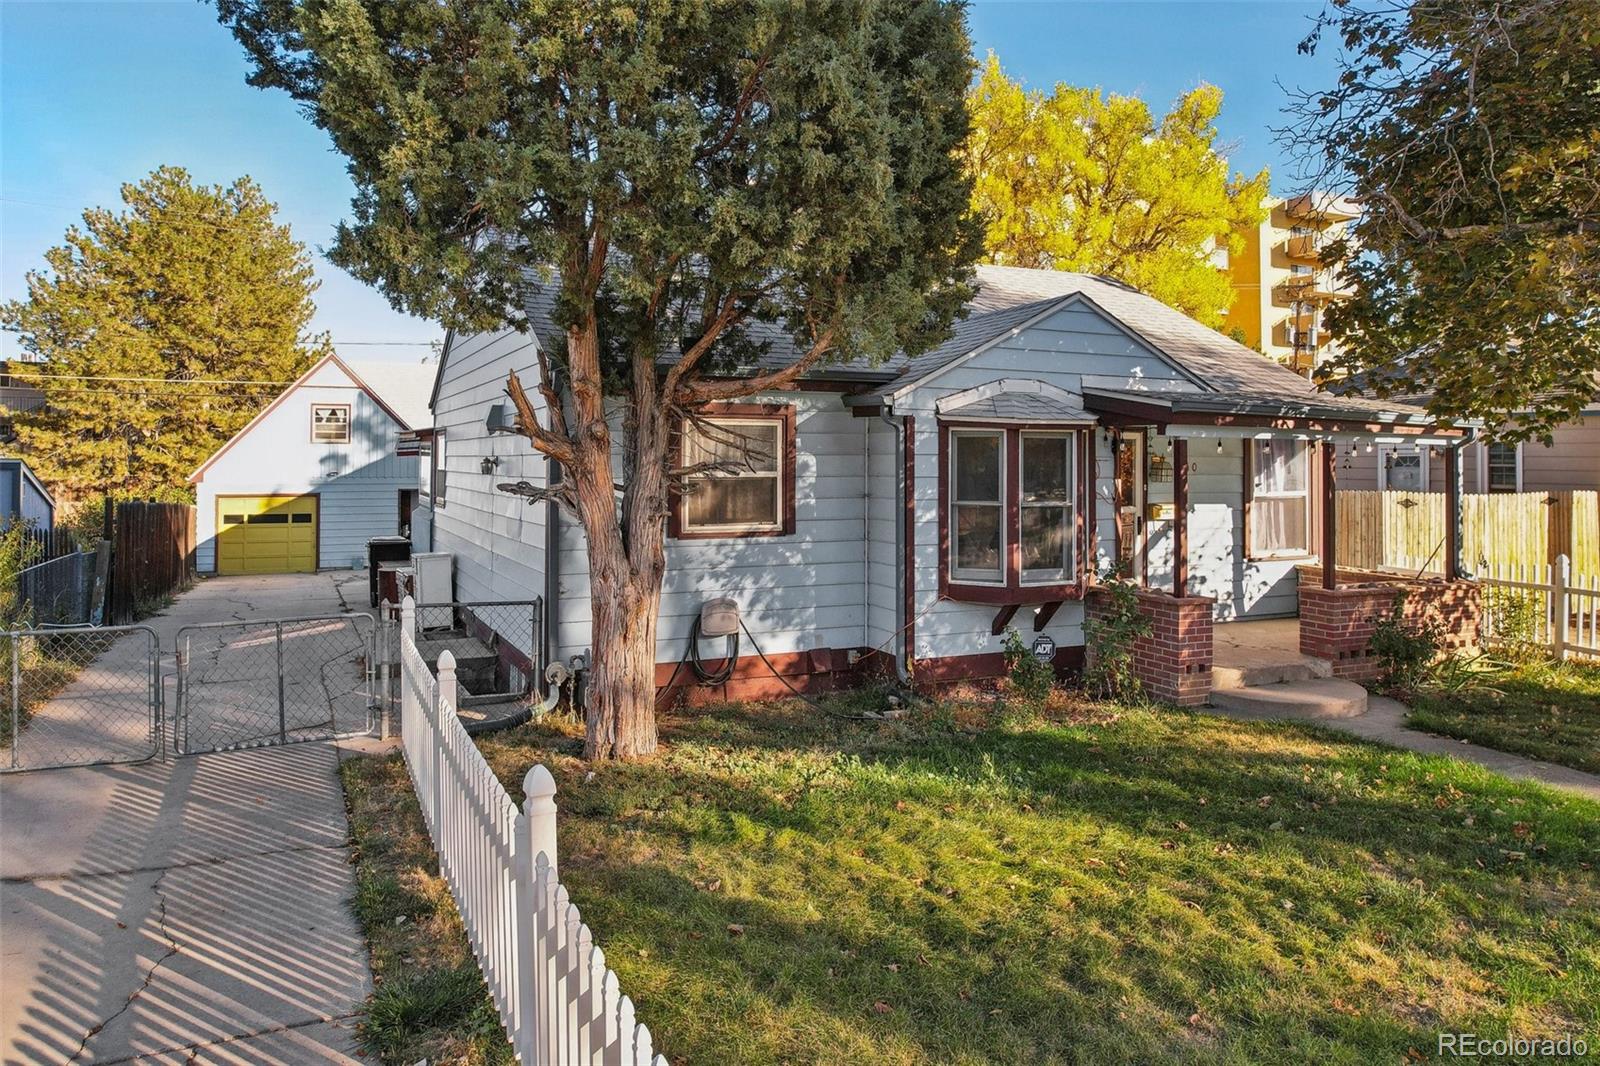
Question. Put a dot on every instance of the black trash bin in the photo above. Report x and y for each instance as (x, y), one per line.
(384, 550)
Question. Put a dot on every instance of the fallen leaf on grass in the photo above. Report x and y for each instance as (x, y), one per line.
(881, 1007)
(735, 929)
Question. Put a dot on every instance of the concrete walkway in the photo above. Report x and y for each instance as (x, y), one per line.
(1385, 722)
(189, 910)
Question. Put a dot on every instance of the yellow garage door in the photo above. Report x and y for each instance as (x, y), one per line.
(266, 534)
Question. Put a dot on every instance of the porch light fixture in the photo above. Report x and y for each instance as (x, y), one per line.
(489, 463)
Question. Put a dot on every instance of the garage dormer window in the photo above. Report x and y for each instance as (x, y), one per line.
(740, 477)
(330, 423)
(1010, 513)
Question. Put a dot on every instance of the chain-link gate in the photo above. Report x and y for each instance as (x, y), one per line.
(499, 649)
(79, 696)
(274, 681)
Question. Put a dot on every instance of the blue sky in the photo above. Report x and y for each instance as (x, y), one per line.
(93, 95)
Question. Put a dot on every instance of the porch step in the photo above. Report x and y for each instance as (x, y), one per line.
(1268, 671)
(1321, 697)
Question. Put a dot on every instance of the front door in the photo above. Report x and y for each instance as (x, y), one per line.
(1130, 503)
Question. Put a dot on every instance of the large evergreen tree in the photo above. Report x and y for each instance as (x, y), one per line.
(159, 331)
(1469, 130)
(1077, 180)
(691, 169)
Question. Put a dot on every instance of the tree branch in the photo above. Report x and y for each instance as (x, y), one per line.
(708, 391)
(557, 445)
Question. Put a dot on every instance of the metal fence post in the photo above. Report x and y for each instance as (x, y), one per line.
(385, 655)
(283, 721)
(180, 725)
(16, 696)
(1560, 581)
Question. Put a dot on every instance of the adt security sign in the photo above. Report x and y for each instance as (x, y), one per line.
(1044, 649)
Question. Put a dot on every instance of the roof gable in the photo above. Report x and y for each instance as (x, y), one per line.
(325, 371)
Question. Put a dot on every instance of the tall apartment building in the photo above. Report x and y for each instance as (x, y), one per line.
(1283, 281)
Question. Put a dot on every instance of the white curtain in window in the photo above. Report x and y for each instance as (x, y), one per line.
(1279, 503)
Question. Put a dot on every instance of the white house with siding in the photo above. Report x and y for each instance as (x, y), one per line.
(912, 512)
(316, 474)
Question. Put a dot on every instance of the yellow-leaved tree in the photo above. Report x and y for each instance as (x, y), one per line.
(1085, 181)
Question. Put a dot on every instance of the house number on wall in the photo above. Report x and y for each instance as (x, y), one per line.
(1044, 649)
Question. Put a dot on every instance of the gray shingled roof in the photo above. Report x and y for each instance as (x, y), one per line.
(1019, 407)
(1008, 297)
(405, 387)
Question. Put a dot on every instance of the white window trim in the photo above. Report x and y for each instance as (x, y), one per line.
(776, 476)
(1256, 551)
(1069, 573)
(349, 417)
(1483, 468)
(957, 574)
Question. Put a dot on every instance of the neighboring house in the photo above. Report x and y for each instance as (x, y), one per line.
(1570, 461)
(18, 395)
(316, 474)
(23, 497)
(912, 511)
(1283, 279)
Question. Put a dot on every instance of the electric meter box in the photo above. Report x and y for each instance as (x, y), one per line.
(719, 618)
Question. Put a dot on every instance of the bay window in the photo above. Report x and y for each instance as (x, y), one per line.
(978, 506)
(1010, 513)
(1278, 517)
(1047, 516)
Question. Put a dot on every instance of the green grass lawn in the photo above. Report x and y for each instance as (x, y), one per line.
(1131, 886)
(1547, 710)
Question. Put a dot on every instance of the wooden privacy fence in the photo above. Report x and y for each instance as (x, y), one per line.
(1545, 606)
(1405, 531)
(559, 1002)
(152, 554)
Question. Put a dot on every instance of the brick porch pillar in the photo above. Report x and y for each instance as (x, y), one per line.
(1337, 623)
(1173, 663)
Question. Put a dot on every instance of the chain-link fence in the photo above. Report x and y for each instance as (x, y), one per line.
(79, 696)
(499, 648)
(247, 684)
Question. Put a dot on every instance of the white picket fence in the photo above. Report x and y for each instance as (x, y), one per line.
(560, 1003)
(1566, 608)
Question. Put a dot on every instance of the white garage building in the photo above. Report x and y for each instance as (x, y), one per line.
(316, 474)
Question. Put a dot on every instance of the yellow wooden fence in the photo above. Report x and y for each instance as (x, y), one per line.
(1405, 530)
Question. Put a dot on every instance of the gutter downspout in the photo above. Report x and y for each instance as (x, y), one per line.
(552, 588)
(901, 577)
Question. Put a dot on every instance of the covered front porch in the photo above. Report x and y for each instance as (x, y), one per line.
(1226, 512)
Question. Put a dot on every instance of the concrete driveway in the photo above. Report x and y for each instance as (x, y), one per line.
(189, 910)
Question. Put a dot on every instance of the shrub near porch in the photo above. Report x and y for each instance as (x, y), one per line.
(1112, 887)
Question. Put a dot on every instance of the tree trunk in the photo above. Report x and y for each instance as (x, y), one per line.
(626, 549)
(620, 718)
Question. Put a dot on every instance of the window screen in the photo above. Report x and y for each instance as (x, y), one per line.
(741, 486)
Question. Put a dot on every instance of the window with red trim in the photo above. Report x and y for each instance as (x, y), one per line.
(747, 488)
(1010, 513)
